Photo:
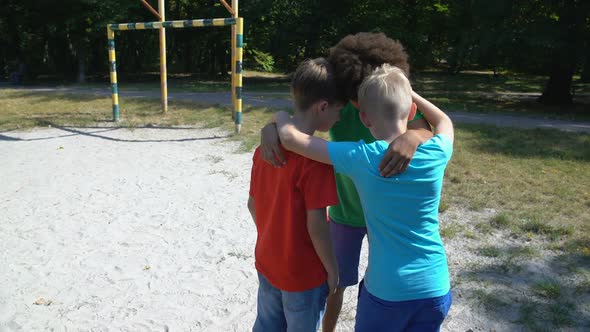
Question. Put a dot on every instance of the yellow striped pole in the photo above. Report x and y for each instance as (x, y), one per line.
(239, 69)
(113, 72)
(234, 5)
(163, 73)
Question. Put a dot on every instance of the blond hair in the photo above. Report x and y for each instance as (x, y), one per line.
(387, 92)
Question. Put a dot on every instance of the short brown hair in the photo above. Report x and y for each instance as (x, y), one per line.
(314, 81)
(356, 56)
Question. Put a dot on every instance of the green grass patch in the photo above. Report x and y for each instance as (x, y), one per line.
(450, 231)
(538, 227)
(501, 220)
(579, 248)
(523, 252)
(490, 251)
(489, 300)
(443, 206)
(537, 178)
(528, 316)
(549, 289)
(560, 313)
(470, 235)
(484, 227)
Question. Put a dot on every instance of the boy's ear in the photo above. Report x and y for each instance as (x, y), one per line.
(320, 106)
(413, 110)
(365, 119)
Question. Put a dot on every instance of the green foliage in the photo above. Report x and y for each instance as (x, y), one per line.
(258, 60)
(527, 36)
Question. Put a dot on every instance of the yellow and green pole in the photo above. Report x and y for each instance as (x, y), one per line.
(238, 72)
(163, 73)
(234, 14)
(113, 73)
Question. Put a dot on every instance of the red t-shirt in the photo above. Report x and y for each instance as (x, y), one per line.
(284, 251)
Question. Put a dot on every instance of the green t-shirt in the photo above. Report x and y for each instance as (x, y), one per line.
(350, 129)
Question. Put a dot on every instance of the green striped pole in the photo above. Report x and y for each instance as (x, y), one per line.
(113, 72)
(239, 69)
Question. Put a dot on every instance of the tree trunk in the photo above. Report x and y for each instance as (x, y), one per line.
(81, 65)
(586, 72)
(558, 90)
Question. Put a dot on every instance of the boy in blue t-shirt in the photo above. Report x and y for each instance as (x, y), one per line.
(406, 285)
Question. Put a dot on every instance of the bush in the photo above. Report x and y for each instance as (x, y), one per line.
(258, 60)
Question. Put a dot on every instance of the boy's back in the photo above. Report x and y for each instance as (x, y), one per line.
(407, 258)
(284, 251)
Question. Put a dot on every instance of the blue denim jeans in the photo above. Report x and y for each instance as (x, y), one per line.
(424, 315)
(278, 310)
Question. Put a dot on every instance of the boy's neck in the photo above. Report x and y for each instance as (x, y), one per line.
(389, 132)
(303, 121)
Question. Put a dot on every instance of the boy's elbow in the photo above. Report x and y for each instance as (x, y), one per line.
(288, 139)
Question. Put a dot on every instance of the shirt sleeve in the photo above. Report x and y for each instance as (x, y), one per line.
(446, 145)
(318, 185)
(344, 156)
(438, 149)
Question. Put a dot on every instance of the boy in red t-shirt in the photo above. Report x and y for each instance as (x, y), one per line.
(297, 268)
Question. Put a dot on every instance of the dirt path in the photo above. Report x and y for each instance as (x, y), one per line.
(281, 100)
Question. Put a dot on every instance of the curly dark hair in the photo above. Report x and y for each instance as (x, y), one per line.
(356, 56)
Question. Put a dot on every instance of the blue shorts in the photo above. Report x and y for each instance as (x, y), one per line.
(347, 242)
(279, 310)
(424, 315)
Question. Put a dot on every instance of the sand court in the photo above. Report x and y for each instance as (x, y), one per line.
(125, 230)
(146, 229)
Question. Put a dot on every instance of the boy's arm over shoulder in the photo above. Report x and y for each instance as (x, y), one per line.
(339, 154)
(443, 127)
(301, 143)
(438, 119)
(400, 152)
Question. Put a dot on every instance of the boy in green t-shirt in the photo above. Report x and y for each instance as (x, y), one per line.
(355, 57)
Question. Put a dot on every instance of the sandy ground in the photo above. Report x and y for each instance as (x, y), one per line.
(107, 229)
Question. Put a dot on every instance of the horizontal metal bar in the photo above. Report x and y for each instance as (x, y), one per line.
(208, 22)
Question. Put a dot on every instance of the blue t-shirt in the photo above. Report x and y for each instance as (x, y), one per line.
(407, 260)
